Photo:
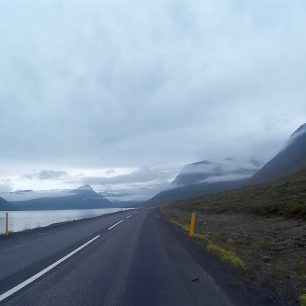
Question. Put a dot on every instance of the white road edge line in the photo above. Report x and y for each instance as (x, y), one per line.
(128, 216)
(115, 224)
(44, 271)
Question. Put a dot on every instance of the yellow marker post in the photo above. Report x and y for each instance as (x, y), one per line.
(6, 224)
(192, 224)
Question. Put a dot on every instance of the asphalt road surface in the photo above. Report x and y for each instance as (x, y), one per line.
(129, 258)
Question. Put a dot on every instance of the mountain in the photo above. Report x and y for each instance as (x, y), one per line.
(81, 198)
(290, 160)
(192, 191)
(5, 205)
(204, 177)
(216, 171)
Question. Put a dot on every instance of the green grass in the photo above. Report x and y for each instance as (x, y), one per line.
(229, 257)
(303, 300)
(283, 197)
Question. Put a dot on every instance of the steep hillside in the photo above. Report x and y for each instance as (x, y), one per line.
(192, 191)
(291, 159)
(283, 197)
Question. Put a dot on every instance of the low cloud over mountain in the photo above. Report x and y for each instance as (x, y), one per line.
(117, 183)
(213, 171)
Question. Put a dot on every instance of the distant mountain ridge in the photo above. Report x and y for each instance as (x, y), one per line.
(290, 160)
(83, 197)
(196, 179)
(5, 205)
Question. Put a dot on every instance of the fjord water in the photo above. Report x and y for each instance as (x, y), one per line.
(24, 220)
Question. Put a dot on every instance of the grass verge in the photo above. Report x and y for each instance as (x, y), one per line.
(303, 300)
(270, 250)
(229, 257)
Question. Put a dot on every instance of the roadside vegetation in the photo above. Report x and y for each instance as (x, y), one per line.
(260, 229)
(227, 256)
(284, 197)
(303, 300)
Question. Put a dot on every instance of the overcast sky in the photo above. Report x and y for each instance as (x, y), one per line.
(106, 88)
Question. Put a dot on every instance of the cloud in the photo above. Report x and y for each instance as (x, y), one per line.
(142, 175)
(51, 174)
(46, 175)
(226, 178)
(5, 188)
(116, 183)
(138, 185)
(135, 84)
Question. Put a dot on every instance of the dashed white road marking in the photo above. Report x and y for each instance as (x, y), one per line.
(115, 224)
(8, 293)
(44, 271)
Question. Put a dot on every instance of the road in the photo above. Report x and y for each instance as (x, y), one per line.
(128, 258)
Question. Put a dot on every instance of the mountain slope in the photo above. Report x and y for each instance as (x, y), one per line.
(280, 197)
(290, 160)
(192, 191)
(5, 205)
(207, 176)
(82, 198)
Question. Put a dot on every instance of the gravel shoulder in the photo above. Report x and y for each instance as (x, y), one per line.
(272, 249)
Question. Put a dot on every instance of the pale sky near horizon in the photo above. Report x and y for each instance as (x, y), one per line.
(136, 89)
